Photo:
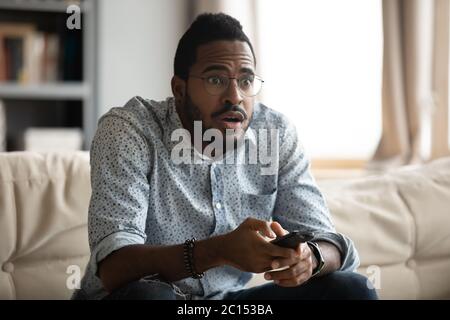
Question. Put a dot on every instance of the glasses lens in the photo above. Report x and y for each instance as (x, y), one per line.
(216, 85)
(249, 85)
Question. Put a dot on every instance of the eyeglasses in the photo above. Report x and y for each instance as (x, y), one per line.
(249, 85)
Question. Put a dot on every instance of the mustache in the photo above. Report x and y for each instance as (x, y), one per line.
(231, 107)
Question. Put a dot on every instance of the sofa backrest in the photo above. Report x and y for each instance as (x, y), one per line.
(400, 223)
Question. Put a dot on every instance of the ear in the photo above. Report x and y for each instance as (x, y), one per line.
(178, 88)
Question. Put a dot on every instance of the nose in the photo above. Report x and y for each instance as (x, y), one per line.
(233, 95)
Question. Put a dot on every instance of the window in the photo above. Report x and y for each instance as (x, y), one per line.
(322, 65)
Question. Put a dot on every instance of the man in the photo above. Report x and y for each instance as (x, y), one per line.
(165, 225)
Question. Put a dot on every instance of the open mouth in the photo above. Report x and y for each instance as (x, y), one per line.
(232, 116)
(231, 119)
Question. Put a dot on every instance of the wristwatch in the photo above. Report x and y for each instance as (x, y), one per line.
(319, 257)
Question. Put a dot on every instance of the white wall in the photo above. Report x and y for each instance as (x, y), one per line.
(136, 47)
(321, 62)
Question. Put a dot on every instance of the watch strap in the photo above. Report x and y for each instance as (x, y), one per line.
(319, 257)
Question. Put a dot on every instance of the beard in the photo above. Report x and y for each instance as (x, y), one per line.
(231, 139)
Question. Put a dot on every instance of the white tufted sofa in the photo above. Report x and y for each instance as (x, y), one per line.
(399, 221)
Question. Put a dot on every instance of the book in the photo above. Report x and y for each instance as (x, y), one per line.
(16, 40)
(28, 55)
(2, 127)
(2, 59)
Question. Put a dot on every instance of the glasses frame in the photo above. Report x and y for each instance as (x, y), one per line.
(230, 78)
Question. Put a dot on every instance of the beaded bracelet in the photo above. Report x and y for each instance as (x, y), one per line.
(188, 257)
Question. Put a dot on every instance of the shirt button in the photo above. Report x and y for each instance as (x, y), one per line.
(218, 205)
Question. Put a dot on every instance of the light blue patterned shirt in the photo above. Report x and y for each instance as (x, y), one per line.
(140, 196)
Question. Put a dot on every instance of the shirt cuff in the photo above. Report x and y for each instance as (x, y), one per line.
(330, 237)
(349, 256)
(111, 243)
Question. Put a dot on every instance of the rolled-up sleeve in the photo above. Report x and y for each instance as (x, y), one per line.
(300, 205)
(120, 166)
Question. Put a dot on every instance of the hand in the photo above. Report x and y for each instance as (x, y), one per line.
(246, 249)
(299, 267)
(278, 229)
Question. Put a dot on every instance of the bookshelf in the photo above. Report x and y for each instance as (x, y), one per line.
(71, 91)
(62, 92)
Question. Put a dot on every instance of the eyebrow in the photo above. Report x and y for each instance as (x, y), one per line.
(223, 68)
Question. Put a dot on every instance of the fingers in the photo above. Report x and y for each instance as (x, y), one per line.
(292, 272)
(293, 276)
(302, 253)
(278, 229)
(299, 270)
(280, 252)
(262, 226)
(287, 257)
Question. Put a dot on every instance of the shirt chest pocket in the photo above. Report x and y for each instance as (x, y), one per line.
(259, 206)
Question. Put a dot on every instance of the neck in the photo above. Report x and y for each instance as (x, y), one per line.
(188, 124)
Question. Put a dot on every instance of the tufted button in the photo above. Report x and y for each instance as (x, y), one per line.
(8, 267)
(411, 263)
(218, 205)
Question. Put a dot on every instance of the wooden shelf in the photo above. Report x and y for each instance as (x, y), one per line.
(65, 91)
(74, 101)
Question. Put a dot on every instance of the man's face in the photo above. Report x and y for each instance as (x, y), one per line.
(230, 109)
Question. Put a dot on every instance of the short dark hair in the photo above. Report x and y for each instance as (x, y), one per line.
(207, 27)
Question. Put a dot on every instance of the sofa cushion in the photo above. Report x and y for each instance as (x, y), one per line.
(43, 215)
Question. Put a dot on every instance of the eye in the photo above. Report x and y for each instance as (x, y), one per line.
(215, 81)
(246, 82)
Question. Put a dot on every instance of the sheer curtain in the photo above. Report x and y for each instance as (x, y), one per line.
(415, 82)
(441, 79)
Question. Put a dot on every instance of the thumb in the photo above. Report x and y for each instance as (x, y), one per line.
(262, 226)
(278, 229)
